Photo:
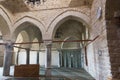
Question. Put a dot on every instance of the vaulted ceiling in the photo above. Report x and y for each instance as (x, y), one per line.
(16, 6)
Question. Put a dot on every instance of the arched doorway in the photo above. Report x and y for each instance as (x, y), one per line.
(70, 53)
(27, 32)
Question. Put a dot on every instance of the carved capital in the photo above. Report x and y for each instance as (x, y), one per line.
(48, 42)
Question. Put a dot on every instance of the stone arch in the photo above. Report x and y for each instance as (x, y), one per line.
(69, 38)
(30, 20)
(65, 16)
(7, 23)
(5, 31)
(23, 37)
(35, 46)
(26, 38)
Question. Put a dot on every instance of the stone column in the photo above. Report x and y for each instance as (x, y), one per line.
(7, 58)
(61, 58)
(37, 57)
(27, 56)
(86, 56)
(17, 59)
(65, 62)
(1, 50)
(48, 52)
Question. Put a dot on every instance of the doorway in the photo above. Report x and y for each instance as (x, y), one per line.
(70, 58)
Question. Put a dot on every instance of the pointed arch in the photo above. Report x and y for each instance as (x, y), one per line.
(35, 46)
(69, 38)
(70, 14)
(4, 15)
(30, 20)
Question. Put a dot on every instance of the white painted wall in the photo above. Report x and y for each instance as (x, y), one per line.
(42, 58)
(55, 58)
(33, 57)
(91, 60)
(22, 58)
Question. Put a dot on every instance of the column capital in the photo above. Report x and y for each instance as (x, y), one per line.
(8, 41)
(9, 44)
(8, 38)
(48, 42)
(27, 49)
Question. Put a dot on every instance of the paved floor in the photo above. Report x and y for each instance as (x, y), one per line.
(57, 74)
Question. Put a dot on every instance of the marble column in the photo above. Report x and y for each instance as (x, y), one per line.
(7, 58)
(48, 52)
(37, 57)
(86, 56)
(27, 56)
(65, 61)
(17, 59)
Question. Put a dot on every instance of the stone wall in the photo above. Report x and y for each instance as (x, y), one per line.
(44, 14)
(113, 36)
(49, 11)
(114, 49)
(102, 63)
(91, 60)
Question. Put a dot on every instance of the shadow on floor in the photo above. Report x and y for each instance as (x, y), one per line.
(58, 74)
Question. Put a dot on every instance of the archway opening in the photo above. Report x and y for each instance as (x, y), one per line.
(26, 33)
(70, 53)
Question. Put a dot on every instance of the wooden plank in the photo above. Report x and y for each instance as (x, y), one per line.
(27, 70)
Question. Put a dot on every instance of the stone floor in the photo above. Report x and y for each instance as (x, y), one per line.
(57, 74)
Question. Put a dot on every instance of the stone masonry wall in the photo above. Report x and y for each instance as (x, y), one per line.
(113, 36)
(102, 62)
(114, 49)
(48, 11)
(45, 13)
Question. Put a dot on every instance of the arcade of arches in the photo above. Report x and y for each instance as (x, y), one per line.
(62, 33)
